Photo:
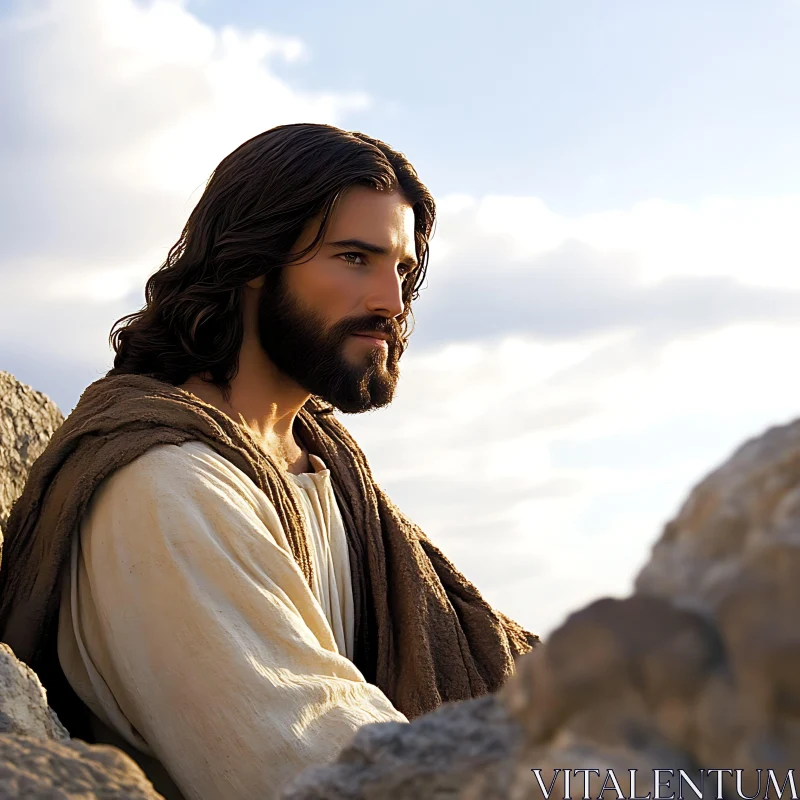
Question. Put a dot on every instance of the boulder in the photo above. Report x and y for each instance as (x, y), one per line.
(27, 421)
(44, 768)
(39, 760)
(23, 701)
(432, 757)
(732, 555)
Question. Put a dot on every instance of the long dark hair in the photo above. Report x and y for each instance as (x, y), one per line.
(255, 205)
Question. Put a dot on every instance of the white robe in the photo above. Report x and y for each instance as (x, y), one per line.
(188, 629)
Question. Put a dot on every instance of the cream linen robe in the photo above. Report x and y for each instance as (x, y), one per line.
(188, 629)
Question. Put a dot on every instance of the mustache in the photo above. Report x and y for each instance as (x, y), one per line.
(389, 327)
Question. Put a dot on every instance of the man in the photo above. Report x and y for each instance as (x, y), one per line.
(201, 568)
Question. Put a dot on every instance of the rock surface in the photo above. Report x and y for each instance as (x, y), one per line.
(42, 768)
(700, 668)
(23, 701)
(430, 758)
(27, 421)
(39, 760)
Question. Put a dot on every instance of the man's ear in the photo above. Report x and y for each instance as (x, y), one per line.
(256, 283)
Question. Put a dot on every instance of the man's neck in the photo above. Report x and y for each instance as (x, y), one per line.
(265, 401)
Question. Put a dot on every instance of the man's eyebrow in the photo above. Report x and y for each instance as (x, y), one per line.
(360, 244)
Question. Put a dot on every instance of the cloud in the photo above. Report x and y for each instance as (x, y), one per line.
(115, 114)
(508, 265)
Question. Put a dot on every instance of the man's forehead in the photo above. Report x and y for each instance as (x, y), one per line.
(382, 219)
(384, 232)
(371, 206)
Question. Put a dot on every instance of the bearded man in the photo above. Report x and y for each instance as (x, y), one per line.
(201, 568)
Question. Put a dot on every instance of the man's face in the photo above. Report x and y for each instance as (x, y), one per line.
(311, 326)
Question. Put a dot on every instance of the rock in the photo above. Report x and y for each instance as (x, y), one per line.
(747, 507)
(23, 701)
(40, 768)
(700, 668)
(614, 688)
(37, 757)
(27, 421)
(430, 758)
(733, 555)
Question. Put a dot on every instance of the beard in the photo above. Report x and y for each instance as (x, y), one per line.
(299, 343)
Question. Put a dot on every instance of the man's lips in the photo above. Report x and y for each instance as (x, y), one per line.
(378, 339)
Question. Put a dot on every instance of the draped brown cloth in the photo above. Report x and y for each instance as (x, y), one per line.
(423, 633)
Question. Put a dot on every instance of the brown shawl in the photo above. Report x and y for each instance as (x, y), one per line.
(423, 633)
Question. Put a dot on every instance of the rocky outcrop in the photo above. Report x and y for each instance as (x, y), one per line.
(700, 669)
(435, 756)
(42, 768)
(39, 760)
(27, 421)
(23, 701)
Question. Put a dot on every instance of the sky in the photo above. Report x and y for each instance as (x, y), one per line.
(613, 295)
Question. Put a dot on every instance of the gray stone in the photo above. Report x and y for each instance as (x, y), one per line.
(615, 688)
(41, 768)
(733, 555)
(27, 421)
(37, 757)
(746, 507)
(23, 701)
(433, 757)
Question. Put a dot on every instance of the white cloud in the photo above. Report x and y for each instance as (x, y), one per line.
(117, 111)
(510, 265)
(153, 95)
(750, 239)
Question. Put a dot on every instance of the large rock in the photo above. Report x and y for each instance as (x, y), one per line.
(700, 669)
(23, 701)
(43, 768)
(39, 760)
(733, 556)
(432, 757)
(27, 421)
(742, 512)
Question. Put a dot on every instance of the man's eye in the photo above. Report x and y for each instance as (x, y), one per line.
(348, 256)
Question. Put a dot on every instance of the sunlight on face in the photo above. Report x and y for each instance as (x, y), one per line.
(330, 323)
(358, 271)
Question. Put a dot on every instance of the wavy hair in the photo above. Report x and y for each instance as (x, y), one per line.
(255, 206)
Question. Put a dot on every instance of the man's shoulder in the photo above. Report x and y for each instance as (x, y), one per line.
(169, 482)
(175, 468)
(168, 458)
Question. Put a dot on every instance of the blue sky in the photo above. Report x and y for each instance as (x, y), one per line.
(589, 102)
(614, 286)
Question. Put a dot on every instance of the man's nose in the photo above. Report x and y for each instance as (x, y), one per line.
(386, 297)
